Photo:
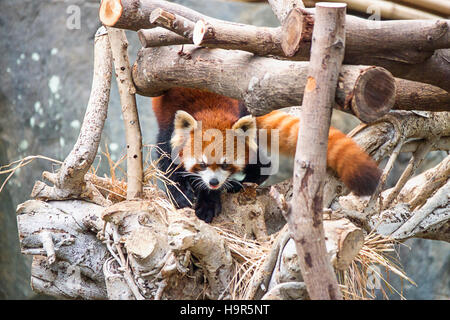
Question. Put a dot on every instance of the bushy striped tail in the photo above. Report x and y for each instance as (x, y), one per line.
(353, 165)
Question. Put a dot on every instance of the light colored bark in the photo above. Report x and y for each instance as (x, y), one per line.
(305, 217)
(127, 91)
(69, 182)
(264, 84)
(281, 8)
(176, 23)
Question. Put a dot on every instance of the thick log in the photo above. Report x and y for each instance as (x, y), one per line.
(133, 135)
(412, 95)
(305, 218)
(261, 41)
(433, 70)
(281, 8)
(297, 31)
(263, 84)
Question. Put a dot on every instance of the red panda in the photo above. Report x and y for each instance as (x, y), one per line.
(213, 144)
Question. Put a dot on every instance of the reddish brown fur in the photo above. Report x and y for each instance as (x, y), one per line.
(215, 111)
(356, 169)
(352, 164)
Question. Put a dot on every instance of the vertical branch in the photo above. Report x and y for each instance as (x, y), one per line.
(127, 91)
(305, 220)
(71, 176)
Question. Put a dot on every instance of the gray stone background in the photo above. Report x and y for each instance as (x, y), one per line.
(46, 72)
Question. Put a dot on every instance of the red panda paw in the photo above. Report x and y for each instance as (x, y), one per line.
(208, 205)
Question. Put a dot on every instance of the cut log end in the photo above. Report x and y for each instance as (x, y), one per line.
(200, 30)
(349, 246)
(110, 12)
(330, 5)
(162, 17)
(374, 94)
(297, 28)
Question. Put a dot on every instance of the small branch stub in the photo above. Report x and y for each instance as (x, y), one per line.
(200, 31)
(172, 22)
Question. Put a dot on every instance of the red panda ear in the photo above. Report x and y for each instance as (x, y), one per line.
(184, 123)
(246, 126)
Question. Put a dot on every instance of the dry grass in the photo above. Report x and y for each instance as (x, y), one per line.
(364, 275)
(12, 167)
(248, 257)
(359, 281)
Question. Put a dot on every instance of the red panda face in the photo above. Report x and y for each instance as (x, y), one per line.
(212, 156)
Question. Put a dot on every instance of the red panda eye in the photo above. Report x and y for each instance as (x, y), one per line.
(225, 166)
(202, 165)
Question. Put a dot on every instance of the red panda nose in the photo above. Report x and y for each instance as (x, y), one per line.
(214, 182)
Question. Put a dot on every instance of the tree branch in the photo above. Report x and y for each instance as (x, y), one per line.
(69, 182)
(305, 220)
(119, 46)
(264, 84)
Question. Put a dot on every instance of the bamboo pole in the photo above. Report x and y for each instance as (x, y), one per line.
(441, 6)
(388, 10)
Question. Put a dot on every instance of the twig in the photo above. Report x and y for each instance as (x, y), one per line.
(416, 159)
(173, 22)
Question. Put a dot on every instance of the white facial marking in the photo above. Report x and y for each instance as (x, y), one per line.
(189, 163)
(208, 174)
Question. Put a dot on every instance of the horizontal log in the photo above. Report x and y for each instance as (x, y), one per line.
(261, 41)
(434, 70)
(135, 14)
(178, 24)
(285, 75)
(412, 95)
(264, 84)
(405, 48)
(362, 35)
